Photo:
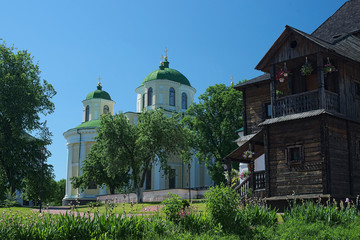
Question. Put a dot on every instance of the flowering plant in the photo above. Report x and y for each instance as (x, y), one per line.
(329, 68)
(245, 174)
(248, 154)
(306, 69)
(282, 75)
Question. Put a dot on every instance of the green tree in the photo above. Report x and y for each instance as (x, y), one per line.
(125, 151)
(108, 161)
(214, 121)
(23, 97)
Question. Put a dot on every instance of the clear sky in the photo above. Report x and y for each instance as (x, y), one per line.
(209, 41)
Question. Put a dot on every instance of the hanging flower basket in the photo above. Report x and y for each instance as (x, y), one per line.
(248, 154)
(282, 75)
(329, 68)
(306, 69)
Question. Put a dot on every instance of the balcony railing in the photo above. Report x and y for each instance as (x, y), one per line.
(304, 102)
(259, 183)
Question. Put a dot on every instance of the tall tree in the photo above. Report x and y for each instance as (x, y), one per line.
(23, 97)
(214, 121)
(125, 151)
(108, 161)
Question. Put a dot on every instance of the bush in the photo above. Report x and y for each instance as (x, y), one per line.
(174, 207)
(222, 203)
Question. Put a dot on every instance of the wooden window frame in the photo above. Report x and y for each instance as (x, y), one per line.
(292, 162)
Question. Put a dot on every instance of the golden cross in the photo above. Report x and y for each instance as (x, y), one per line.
(99, 80)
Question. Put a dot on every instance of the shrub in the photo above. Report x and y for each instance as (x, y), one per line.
(174, 207)
(222, 203)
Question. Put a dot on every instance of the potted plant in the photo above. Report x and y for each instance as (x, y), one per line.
(248, 154)
(328, 67)
(306, 69)
(282, 75)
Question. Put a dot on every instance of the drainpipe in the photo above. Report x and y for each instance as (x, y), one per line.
(77, 131)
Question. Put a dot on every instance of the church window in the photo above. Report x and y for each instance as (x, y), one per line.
(87, 113)
(172, 97)
(183, 101)
(106, 109)
(150, 95)
(92, 185)
(172, 178)
(143, 100)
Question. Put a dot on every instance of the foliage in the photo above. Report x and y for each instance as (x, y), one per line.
(222, 203)
(306, 69)
(125, 151)
(40, 182)
(108, 161)
(245, 174)
(59, 193)
(10, 199)
(214, 121)
(23, 97)
(331, 213)
(174, 207)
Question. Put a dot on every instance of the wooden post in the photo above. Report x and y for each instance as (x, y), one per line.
(252, 169)
(273, 89)
(267, 165)
(321, 81)
(350, 165)
(244, 112)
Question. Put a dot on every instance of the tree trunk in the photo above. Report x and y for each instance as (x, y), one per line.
(139, 194)
(112, 190)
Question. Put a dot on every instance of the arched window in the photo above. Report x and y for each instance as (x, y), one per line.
(87, 113)
(143, 100)
(183, 101)
(172, 97)
(150, 94)
(106, 109)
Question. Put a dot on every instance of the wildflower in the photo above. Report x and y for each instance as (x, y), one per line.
(347, 200)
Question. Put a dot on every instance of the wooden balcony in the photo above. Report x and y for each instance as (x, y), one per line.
(304, 102)
(255, 181)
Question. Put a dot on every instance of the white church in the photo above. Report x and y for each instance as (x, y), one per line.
(163, 88)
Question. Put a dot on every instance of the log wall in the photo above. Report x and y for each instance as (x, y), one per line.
(303, 178)
(256, 97)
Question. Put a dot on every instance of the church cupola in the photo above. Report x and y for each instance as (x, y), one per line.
(96, 103)
(166, 88)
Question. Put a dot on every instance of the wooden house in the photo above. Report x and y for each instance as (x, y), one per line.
(303, 114)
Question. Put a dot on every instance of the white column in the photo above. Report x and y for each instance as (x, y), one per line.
(156, 176)
(68, 187)
(81, 161)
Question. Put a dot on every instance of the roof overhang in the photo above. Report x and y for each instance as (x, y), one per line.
(258, 147)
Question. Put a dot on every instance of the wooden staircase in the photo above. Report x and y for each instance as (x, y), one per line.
(253, 185)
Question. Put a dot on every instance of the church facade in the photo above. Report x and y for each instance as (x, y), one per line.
(164, 88)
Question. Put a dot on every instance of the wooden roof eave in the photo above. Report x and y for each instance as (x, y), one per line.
(263, 65)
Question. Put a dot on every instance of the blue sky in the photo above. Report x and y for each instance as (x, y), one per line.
(209, 41)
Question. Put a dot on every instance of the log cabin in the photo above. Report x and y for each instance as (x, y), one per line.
(302, 116)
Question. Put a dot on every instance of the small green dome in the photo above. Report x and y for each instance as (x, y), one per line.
(99, 93)
(164, 72)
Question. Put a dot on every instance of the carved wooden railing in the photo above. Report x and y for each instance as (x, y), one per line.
(258, 183)
(304, 102)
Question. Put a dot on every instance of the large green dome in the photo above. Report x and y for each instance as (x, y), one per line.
(164, 72)
(99, 93)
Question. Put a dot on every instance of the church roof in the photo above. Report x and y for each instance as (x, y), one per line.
(99, 93)
(90, 124)
(164, 72)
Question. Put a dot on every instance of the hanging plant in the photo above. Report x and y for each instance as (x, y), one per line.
(306, 69)
(329, 68)
(283, 74)
(248, 154)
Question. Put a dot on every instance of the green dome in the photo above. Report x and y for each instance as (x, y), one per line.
(164, 72)
(98, 94)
